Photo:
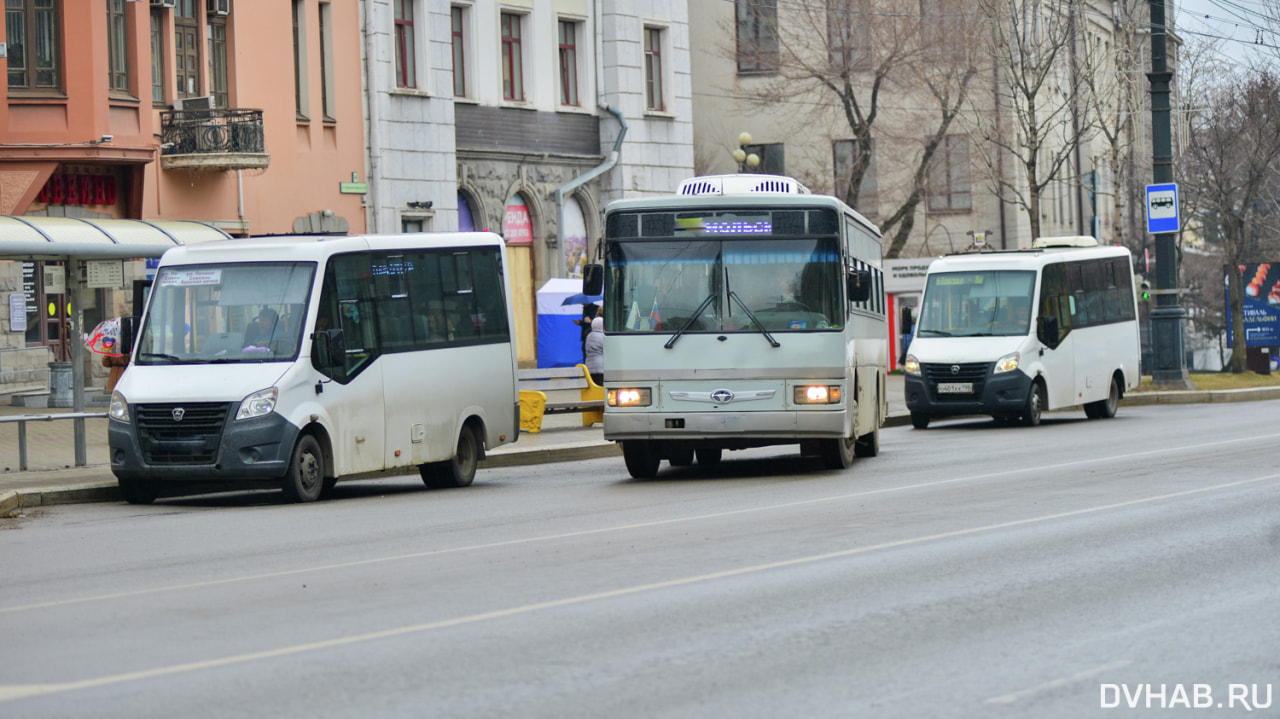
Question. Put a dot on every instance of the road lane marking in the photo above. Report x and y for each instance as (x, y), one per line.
(1058, 683)
(22, 691)
(604, 530)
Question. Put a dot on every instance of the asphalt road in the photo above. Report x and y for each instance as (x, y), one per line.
(969, 571)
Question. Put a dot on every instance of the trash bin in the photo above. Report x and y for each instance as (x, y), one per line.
(60, 384)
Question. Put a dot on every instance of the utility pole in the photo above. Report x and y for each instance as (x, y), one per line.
(1168, 368)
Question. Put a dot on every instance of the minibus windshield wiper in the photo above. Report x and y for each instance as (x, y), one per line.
(689, 322)
(939, 333)
(162, 356)
(759, 325)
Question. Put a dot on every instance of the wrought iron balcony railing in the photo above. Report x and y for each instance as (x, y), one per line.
(212, 140)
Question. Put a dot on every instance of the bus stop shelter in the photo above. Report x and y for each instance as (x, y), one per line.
(77, 240)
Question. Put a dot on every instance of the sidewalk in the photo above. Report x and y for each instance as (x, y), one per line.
(52, 477)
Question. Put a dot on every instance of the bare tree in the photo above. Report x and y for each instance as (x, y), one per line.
(1233, 165)
(1036, 48)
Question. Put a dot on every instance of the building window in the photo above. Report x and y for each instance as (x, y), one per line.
(653, 99)
(848, 35)
(117, 47)
(512, 61)
(157, 56)
(186, 48)
(949, 184)
(406, 54)
(327, 96)
(459, 52)
(844, 152)
(31, 31)
(217, 32)
(757, 35)
(568, 63)
(300, 58)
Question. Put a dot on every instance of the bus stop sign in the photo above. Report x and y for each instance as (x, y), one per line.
(1162, 208)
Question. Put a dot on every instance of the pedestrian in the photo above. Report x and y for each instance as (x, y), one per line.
(593, 351)
(589, 312)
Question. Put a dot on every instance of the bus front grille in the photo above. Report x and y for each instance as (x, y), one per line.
(180, 433)
(971, 372)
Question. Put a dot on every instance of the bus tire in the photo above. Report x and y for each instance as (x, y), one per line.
(1032, 410)
(137, 491)
(460, 470)
(305, 479)
(642, 461)
(708, 457)
(1105, 408)
(680, 458)
(838, 453)
(919, 420)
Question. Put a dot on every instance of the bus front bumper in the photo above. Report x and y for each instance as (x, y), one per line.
(1001, 394)
(250, 450)
(782, 426)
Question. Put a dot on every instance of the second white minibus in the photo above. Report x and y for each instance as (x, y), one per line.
(1014, 333)
(296, 361)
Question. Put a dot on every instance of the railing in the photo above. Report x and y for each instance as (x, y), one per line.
(22, 420)
(212, 139)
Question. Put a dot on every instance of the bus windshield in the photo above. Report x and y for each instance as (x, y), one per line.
(201, 314)
(721, 285)
(983, 303)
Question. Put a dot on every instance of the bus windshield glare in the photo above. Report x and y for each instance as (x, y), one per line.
(983, 303)
(714, 285)
(201, 314)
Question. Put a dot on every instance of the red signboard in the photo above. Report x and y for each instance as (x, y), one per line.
(517, 228)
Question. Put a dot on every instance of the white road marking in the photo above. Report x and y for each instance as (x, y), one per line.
(1056, 683)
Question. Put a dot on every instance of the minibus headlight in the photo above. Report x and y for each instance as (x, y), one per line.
(817, 394)
(912, 365)
(1007, 363)
(629, 397)
(258, 404)
(119, 408)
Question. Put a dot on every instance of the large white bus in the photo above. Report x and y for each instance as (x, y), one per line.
(743, 312)
(1015, 333)
(297, 361)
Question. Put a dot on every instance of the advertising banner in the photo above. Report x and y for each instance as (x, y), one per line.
(1261, 305)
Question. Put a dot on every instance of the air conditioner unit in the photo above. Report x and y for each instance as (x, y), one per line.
(164, 3)
(219, 7)
(193, 103)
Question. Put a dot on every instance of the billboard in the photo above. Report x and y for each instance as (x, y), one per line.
(1261, 305)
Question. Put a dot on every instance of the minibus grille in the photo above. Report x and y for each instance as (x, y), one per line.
(180, 433)
(974, 372)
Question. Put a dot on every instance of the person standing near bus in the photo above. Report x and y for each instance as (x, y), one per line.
(593, 351)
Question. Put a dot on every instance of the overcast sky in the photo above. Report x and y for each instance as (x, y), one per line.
(1237, 24)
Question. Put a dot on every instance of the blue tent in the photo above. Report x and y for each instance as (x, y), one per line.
(559, 339)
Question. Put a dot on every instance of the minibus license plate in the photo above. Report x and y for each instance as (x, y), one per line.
(955, 388)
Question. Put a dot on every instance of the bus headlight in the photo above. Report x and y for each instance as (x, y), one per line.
(912, 365)
(119, 408)
(817, 394)
(257, 404)
(1007, 363)
(629, 397)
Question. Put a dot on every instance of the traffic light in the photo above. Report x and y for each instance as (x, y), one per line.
(1144, 289)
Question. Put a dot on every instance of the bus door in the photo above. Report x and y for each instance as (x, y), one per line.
(1058, 355)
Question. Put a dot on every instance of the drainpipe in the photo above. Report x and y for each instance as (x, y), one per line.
(591, 174)
(373, 172)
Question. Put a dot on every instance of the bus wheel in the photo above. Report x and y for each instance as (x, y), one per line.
(1035, 404)
(838, 453)
(459, 471)
(681, 458)
(708, 457)
(305, 479)
(137, 491)
(642, 461)
(919, 421)
(1105, 408)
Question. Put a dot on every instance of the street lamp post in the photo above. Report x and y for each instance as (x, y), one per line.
(747, 162)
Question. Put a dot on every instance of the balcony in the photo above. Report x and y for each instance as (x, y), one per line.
(213, 140)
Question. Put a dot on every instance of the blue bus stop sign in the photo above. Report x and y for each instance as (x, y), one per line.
(1162, 208)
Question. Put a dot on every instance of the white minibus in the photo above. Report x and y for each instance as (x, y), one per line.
(1015, 333)
(296, 361)
(742, 312)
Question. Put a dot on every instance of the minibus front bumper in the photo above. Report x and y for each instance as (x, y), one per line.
(994, 394)
(227, 450)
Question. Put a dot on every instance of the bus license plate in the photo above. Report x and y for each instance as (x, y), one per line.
(955, 388)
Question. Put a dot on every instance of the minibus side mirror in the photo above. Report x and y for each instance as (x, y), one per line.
(593, 280)
(330, 350)
(859, 285)
(1047, 331)
(907, 324)
(128, 327)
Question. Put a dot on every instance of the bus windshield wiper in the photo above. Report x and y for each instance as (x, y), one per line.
(939, 333)
(689, 322)
(162, 356)
(759, 325)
